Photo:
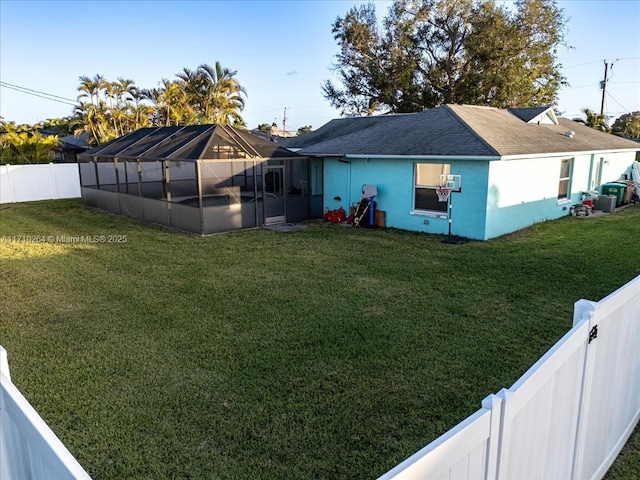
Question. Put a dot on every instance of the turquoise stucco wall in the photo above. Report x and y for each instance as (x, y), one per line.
(394, 180)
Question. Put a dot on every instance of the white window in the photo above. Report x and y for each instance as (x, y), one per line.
(564, 183)
(427, 179)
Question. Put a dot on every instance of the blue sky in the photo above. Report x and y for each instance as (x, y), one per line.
(282, 51)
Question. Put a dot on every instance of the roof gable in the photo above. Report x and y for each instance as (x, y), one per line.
(537, 115)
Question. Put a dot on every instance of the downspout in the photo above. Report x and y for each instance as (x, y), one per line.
(349, 188)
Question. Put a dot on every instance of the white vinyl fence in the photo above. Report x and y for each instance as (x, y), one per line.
(29, 450)
(567, 417)
(28, 183)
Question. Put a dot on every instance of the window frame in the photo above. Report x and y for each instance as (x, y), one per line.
(445, 169)
(562, 180)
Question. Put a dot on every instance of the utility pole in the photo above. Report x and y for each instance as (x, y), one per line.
(284, 123)
(604, 86)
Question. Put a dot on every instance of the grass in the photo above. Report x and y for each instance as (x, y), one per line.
(324, 353)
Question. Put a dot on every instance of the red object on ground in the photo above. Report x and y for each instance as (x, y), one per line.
(335, 216)
(588, 203)
(331, 216)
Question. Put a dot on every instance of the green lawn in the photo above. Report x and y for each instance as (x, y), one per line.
(329, 352)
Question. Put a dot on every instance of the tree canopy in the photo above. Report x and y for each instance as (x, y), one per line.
(428, 52)
(627, 125)
(21, 144)
(109, 109)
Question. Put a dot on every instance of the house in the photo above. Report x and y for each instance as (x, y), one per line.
(199, 178)
(514, 167)
(69, 146)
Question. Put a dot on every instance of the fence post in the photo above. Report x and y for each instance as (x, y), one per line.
(4, 363)
(493, 403)
(505, 426)
(583, 311)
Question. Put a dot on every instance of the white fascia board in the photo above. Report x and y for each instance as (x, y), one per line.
(565, 154)
(424, 157)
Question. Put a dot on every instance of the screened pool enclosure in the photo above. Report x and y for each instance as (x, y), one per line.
(201, 179)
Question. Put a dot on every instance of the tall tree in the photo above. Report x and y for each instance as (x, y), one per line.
(627, 125)
(595, 120)
(214, 94)
(428, 52)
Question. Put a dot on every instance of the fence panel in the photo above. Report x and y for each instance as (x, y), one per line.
(540, 412)
(28, 447)
(612, 387)
(28, 183)
(568, 416)
(464, 452)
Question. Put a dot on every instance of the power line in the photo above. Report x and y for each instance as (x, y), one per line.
(627, 111)
(582, 64)
(582, 86)
(598, 61)
(36, 93)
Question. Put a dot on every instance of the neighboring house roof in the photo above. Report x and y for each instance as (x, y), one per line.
(72, 142)
(190, 142)
(69, 142)
(465, 131)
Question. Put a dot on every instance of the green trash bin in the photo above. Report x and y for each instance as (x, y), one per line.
(615, 189)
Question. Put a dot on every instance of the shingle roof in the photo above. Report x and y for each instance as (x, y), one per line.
(463, 130)
(338, 127)
(432, 132)
(75, 142)
(509, 135)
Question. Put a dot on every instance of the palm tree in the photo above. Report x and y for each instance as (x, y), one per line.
(93, 109)
(225, 100)
(91, 88)
(154, 95)
(122, 89)
(594, 120)
(214, 94)
(176, 103)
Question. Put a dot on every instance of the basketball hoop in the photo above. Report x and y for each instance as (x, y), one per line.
(443, 193)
